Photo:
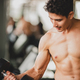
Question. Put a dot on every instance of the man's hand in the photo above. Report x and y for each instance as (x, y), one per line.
(9, 76)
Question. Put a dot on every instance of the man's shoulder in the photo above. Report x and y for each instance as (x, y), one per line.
(77, 23)
(47, 36)
(43, 43)
(49, 33)
(52, 30)
(46, 39)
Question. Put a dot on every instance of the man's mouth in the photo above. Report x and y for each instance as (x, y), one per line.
(58, 27)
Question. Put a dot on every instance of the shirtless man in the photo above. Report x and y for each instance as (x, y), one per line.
(62, 43)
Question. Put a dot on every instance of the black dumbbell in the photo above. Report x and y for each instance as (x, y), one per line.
(5, 66)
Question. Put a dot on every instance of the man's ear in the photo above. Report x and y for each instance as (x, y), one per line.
(71, 15)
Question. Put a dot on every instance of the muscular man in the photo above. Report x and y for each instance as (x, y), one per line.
(62, 43)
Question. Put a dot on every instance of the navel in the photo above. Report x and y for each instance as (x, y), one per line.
(73, 77)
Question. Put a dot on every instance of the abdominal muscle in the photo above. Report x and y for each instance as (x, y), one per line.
(65, 52)
(65, 70)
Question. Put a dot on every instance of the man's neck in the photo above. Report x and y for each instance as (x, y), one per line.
(70, 26)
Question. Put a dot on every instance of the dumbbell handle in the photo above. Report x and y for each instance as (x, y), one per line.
(4, 74)
(23, 78)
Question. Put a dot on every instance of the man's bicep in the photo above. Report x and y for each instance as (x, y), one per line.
(42, 60)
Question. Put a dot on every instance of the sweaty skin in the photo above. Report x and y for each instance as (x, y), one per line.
(62, 43)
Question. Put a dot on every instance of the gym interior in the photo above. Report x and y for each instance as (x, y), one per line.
(22, 24)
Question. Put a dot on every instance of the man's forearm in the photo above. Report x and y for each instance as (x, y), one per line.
(32, 73)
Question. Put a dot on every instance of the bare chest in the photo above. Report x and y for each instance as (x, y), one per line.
(64, 45)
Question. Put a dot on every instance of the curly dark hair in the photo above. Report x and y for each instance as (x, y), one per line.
(59, 7)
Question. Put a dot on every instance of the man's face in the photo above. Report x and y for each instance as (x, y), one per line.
(61, 23)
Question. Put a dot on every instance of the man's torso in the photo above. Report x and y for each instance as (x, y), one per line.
(65, 51)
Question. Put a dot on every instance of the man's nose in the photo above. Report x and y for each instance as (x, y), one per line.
(54, 23)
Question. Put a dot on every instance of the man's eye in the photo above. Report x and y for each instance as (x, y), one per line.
(59, 20)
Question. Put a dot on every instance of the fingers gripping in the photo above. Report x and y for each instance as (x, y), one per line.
(9, 76)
